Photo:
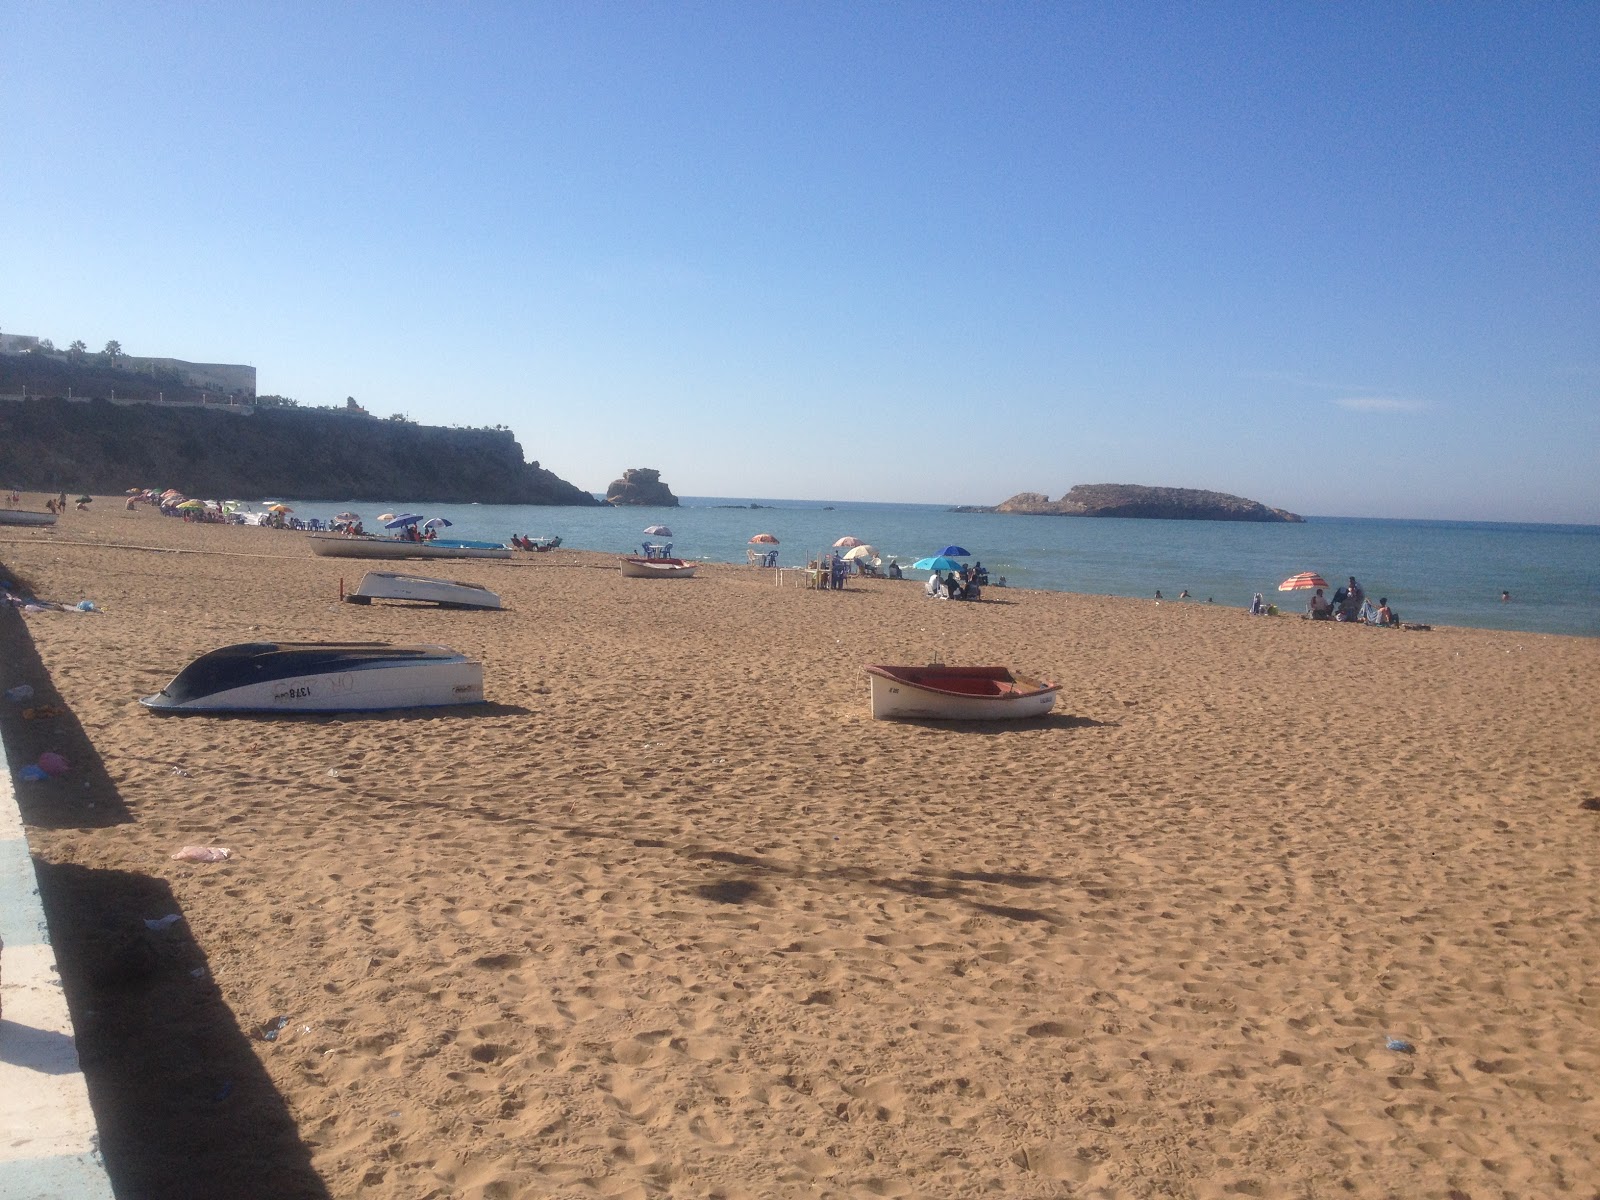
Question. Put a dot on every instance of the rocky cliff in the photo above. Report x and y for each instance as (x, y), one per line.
(1136, 500)
(98, 446)
(641, 486)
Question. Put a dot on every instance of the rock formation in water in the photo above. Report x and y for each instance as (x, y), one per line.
(1136, 500)
(641, 486)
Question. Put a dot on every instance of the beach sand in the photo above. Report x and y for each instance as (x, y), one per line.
(671, 916)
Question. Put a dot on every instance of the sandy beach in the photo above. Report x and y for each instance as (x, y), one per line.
(672, 916)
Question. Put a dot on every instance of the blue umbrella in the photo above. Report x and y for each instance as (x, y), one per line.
(437, 523)
(938, 563)
(955, 552)
(403, 520)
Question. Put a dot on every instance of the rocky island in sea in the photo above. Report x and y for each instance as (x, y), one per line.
(1137, 500)
(641, 486)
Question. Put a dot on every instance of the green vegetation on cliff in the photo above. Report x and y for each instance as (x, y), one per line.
(98, 446)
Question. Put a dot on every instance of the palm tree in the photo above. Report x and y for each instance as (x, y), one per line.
(77, 350)
(113, 350)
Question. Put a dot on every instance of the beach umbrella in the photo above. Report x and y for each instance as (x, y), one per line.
(937, 563)
(955, 552)
(848, 543)
(385, 516)
(85, 499)
(658, 531)
(764, 539)
(134, 492)
(861, 550)
(348, 516)
(437, 523)
(280, 508)
(1303, 582)
(192, 504)
(402, 520)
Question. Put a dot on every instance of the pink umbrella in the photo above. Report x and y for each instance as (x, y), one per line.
(848, 543)
(765, 539)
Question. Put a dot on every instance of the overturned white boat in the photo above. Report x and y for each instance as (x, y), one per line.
(294, 677)
(447, 593)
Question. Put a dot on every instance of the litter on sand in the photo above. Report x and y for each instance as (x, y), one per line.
(204, 854)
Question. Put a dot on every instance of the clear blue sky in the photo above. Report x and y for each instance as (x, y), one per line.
(1341, 258)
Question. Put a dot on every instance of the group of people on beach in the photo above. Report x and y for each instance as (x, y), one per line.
(1349, 604)
(965, 584)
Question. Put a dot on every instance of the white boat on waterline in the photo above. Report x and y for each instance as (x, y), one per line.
(657, 568)
(24, 516)
(447, 593)
(340, 545)
(941, 693)
(298, 677)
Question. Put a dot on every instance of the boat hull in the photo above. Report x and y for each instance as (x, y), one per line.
(446, 593)
(302, 677)
(657, 568)
(940, 693)
(23, 516)
(335, 545)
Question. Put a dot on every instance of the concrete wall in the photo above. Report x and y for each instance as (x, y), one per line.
(49, 1146)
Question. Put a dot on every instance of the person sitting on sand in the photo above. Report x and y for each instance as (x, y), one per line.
(1385, 613)
(1353, 597)
(1318, 609)
(1258, 606)
(934, 586)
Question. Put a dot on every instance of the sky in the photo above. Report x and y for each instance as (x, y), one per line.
(1340, 258)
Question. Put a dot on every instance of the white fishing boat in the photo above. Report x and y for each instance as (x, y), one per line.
(25, 516)
(340, 545)
(297, 677)
(657, 568)
(447, 593)
(940, 693)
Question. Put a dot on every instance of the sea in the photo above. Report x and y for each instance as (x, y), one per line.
(1432, 572)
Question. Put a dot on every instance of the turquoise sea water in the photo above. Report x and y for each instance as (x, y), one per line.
(1434, 572)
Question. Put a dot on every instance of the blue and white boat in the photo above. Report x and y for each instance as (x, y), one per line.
(300, 677)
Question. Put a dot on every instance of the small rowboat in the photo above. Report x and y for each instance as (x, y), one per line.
(446, 593)
(295, 677)
(657, 568)
(338, 545)
(941, 693)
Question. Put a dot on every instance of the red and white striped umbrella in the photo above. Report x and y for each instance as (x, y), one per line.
(1303, 582)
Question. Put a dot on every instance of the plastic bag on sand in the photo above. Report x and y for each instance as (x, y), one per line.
(52, 763)
(20, 693)
(33, 773)
(204, 853)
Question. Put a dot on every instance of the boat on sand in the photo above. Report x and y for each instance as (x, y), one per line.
(941, 693)
(25, 516)
(339, 545)
(657, 568)
(298, 677)
(446, 593)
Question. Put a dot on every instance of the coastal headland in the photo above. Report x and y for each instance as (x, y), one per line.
(1267, 907)
(240, 450)
(1137, 500)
